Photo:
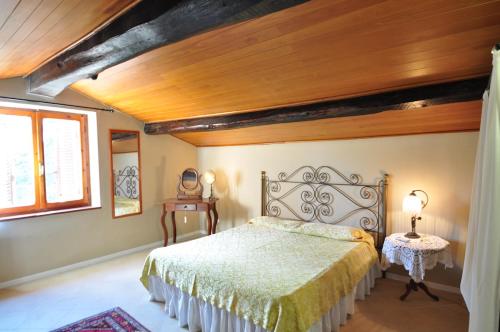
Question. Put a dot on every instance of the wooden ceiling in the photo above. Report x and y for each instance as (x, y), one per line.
(324, 49)
(32, 31)
(436, 119)
(320, 50)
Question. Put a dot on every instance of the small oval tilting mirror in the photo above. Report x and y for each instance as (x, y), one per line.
(125, 168)
(190, 179)
(189, 186)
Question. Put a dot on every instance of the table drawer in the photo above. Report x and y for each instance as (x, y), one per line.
(185, 207)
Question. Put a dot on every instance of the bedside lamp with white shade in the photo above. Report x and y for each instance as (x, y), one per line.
(209, 177)
(413, 205)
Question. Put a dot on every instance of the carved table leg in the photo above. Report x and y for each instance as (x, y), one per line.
(209, 222)
(426, 290)
(409, 287)
(174, 227)
(412, 285)
(165, 231)
(216, 220)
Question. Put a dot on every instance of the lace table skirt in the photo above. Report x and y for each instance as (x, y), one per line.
(201, 316)
(416, 255)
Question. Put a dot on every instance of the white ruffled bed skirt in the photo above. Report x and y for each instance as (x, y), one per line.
(198, 315)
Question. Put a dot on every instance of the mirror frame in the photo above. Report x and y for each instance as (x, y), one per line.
(112, 177)
(189, 193)
(197, 179)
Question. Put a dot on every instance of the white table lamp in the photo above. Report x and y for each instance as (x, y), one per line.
(209, 177)
(414, 205)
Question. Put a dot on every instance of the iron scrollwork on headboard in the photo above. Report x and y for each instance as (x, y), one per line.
(326, 195)
(127, 182)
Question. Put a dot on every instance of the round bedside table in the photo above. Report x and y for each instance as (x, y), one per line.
(416, 255)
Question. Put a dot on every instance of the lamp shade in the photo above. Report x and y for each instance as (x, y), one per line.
(412, 204)
(209, 177)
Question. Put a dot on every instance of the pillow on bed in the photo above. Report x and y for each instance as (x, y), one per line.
(274, 222)
(337, 232)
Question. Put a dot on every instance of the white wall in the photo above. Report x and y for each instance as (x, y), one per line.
(441, 164)
(33, 245)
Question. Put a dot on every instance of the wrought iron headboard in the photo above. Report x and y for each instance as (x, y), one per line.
(127, 182)
(319, 193)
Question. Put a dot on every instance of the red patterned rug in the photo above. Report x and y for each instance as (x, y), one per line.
(114, 320)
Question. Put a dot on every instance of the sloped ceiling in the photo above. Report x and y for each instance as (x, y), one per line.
(32, 31)
(321, 50)
(324, 49)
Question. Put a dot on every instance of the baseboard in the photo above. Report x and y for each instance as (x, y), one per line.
(430, 284)
(49, 273)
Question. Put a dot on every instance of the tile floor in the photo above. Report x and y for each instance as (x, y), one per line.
(56, 301)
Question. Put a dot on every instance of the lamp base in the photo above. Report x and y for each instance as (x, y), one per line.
(412, 235)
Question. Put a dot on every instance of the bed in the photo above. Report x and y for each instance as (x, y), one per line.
(298, 267)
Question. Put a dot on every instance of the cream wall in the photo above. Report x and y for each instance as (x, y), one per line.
(441, 164)
(33, 245)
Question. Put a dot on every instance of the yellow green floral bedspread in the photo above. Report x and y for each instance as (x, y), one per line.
(276, 275)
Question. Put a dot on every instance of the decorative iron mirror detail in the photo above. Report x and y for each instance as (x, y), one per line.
(189, 186)
(126, 173)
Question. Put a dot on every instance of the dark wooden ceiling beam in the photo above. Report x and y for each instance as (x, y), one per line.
(146, 26)
(407, 99)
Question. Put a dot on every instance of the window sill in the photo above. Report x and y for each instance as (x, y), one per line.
(47, 213)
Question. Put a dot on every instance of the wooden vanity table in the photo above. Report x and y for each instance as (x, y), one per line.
(173, 205)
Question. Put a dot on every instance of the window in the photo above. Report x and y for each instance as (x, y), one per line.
(44, 161)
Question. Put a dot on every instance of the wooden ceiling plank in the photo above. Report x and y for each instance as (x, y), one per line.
(69, 22)
(354, 84)
(8, 7)
(194, 45)
(413, 98)
(97, 12)
(269, 42)
(435, 119)
(31, 25)
(456, 63)
(324, 51)
(16, 19)
(130, 82)
(146, 26)
(38, 33)
(343, 48)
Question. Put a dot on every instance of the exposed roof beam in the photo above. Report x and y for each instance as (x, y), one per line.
(407, 99)
(146, 26)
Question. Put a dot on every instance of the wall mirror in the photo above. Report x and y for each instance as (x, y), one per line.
(126, 173)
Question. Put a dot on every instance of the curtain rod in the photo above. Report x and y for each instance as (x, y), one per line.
(48, 103)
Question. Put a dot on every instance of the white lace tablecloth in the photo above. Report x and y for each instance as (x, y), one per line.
(416, 255)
